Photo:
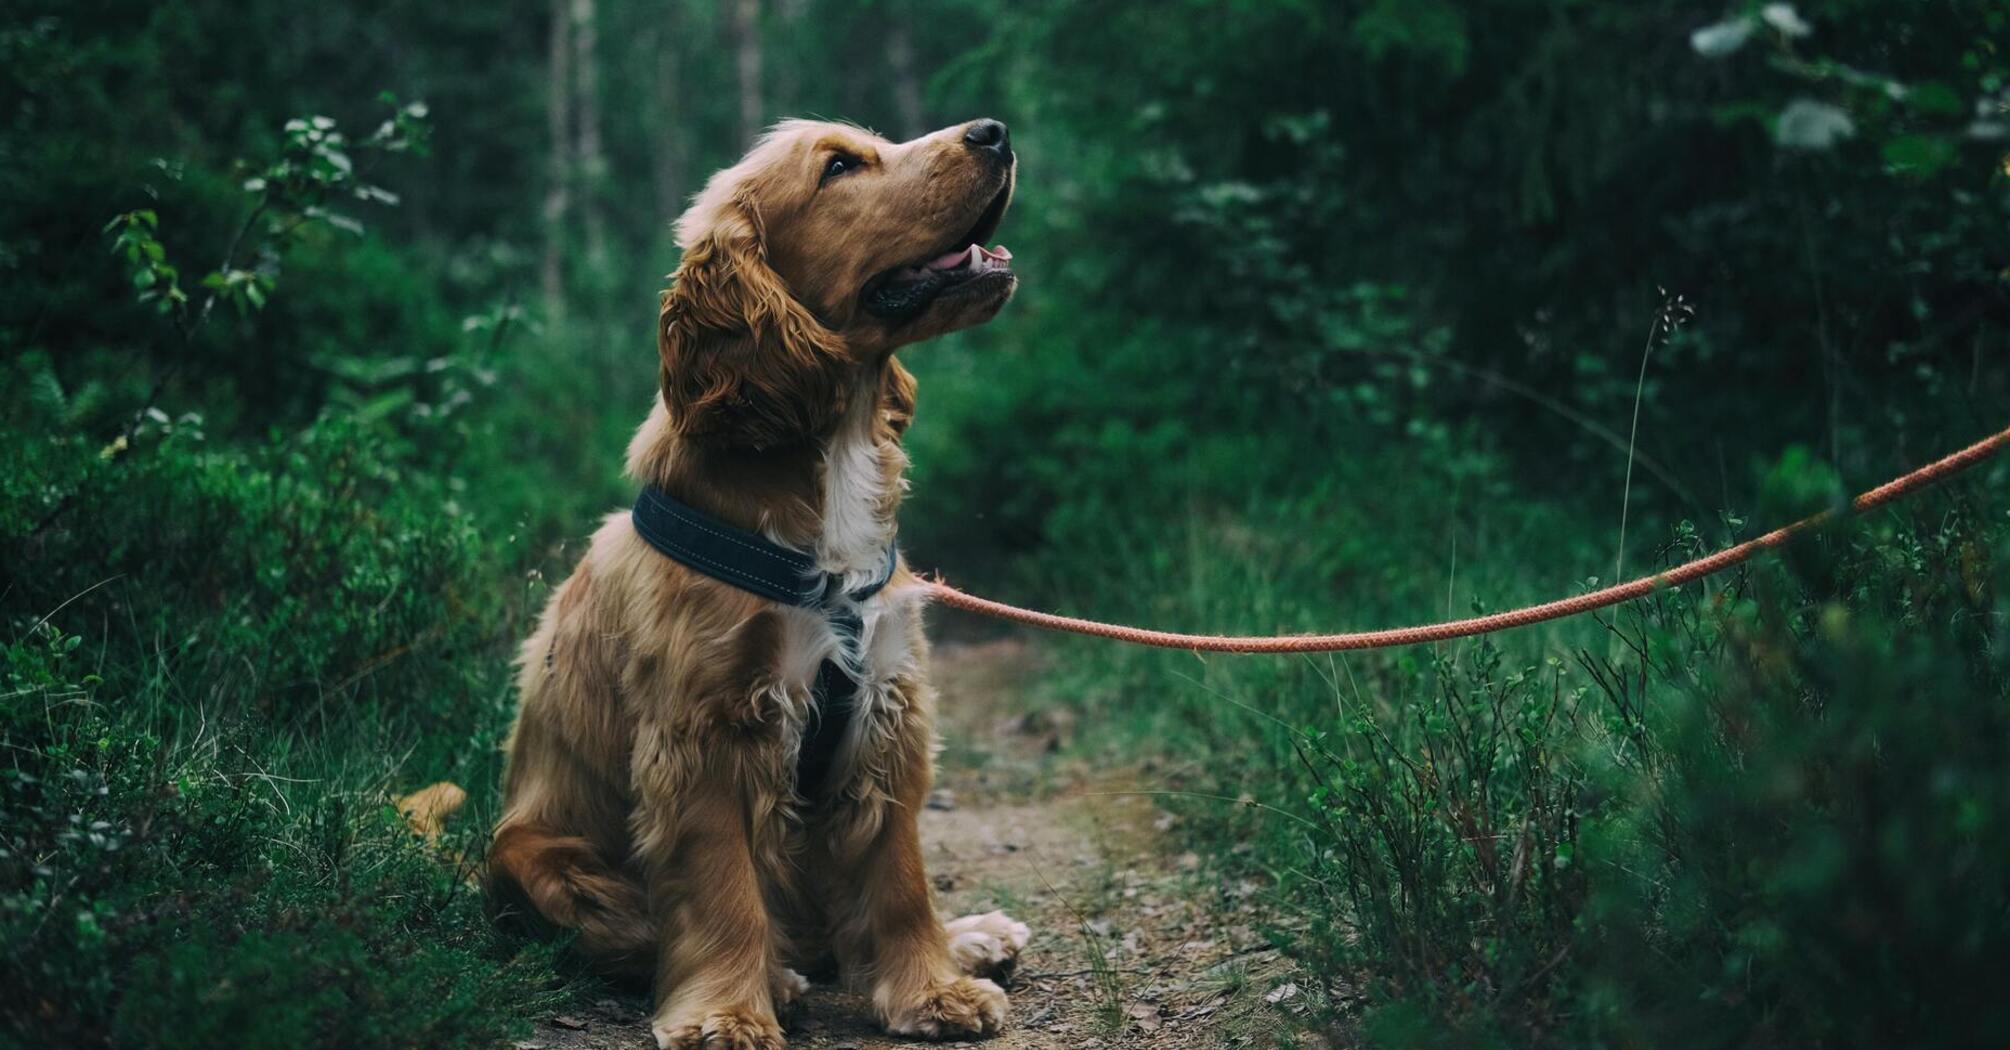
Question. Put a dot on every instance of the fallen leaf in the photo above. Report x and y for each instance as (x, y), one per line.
(568, 1022)
(1281, 993)
(1145, 1016)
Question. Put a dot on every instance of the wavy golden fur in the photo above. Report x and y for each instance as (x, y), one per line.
(650, 803)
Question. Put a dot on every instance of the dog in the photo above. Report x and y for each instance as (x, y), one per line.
(659, 796)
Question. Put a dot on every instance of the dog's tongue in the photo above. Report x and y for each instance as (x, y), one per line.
(969, 256)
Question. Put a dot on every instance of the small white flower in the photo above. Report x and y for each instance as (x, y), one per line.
(1784, 18)
(1716, 41)
(1807, 124)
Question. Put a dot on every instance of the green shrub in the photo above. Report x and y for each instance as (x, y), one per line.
(215, 888)
(198, 843)
(1812, 853)
(310, 573)
(1753, 812)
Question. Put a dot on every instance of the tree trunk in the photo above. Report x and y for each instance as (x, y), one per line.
(906, 86)
(591, 171)
(669, 139)
(785, 87)
(747, 43)
(558, 192)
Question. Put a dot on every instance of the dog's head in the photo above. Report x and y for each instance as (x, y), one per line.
(824, 249)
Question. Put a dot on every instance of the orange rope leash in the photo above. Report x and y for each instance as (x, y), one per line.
(1438, 632)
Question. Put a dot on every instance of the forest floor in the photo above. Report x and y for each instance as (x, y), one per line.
(1130, 947)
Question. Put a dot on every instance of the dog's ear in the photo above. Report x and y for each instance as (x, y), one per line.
(744, 363)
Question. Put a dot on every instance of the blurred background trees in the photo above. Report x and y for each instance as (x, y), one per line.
(1333, 314)
(1287, 196)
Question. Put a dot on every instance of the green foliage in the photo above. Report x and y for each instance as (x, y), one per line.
(1511, 184)
(1726, 813)
(180, 886)
(1816, 816)
(198, 845)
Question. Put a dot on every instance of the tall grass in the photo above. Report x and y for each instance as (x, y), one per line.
(217, 666)
(1602, 831)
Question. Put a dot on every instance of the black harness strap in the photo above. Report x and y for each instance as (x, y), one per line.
(760, 566)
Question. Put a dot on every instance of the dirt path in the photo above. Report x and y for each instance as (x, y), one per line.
(1124, 952)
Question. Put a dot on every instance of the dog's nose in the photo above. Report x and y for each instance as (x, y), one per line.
(988, 134)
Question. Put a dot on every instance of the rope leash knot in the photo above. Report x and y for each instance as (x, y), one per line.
(1616, 594)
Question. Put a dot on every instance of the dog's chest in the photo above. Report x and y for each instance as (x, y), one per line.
(885, 654)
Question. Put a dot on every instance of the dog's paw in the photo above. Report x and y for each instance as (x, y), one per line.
(954, 1009)
(786, 986)
(720, 1030)
(986, 945)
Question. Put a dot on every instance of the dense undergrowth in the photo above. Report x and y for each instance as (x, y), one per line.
(1754, 811)
(240, 655)
(233, 636)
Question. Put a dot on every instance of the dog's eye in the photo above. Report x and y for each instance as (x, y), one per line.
(838, 165)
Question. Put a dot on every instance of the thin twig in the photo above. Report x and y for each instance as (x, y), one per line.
(1632, 436)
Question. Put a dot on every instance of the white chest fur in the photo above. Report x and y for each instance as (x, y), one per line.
(887, 653)
(862, 481)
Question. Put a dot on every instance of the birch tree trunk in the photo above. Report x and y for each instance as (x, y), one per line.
(747, 45)
(591, 169)
(784, 88)
(670, 140)
(558, 191)
(906, 86)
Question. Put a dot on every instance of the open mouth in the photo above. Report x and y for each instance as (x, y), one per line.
(963, 264)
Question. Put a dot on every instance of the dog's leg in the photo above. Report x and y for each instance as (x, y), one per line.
(536, 872)
(888, 934)
(884, 928)
(557, 853)
(697, 831)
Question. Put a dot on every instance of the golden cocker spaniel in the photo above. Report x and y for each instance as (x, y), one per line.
(682, 789)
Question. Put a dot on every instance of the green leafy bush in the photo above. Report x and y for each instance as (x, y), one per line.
(310, 574)
(181, 886)
(234, 638)
(1755, 811)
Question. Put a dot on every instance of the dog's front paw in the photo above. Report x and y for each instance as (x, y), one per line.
(786, 986)
(986, 945)
(953, 1009)
(719, 1030)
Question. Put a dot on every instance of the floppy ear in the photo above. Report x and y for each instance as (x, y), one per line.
(744, 364)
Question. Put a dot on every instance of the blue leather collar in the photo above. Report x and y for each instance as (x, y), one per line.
(760, 566)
